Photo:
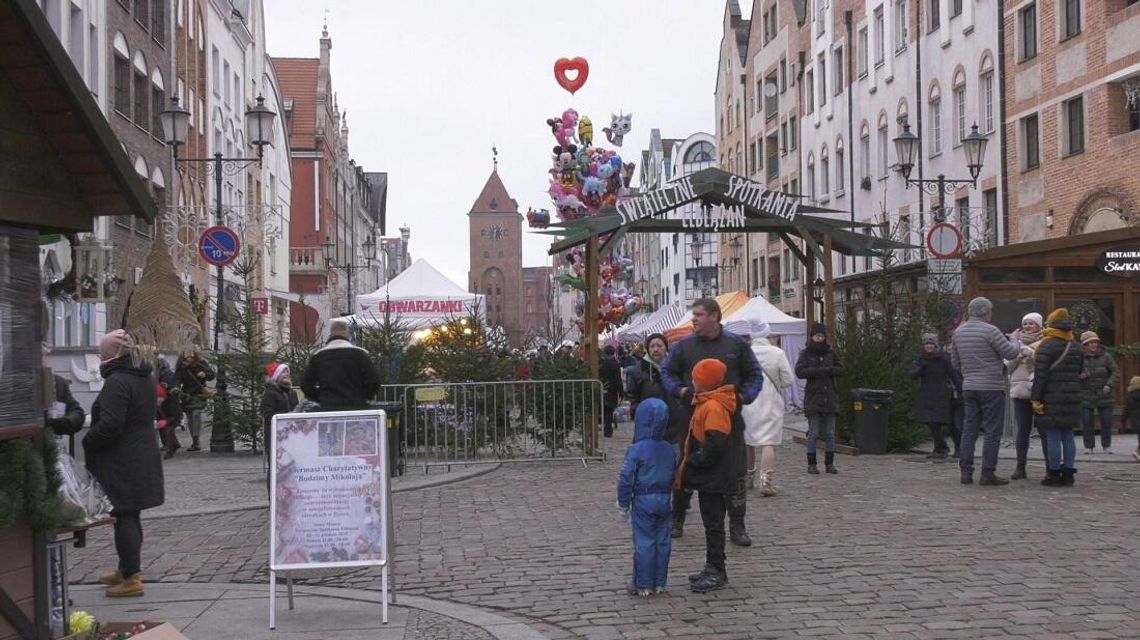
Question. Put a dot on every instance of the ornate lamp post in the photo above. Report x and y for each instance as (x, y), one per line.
(328, 249)
(906, 149)
(259, 131)
(817, 291)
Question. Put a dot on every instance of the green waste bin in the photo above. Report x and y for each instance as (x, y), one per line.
(872, 411)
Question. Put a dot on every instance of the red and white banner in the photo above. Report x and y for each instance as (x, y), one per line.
(425, 307)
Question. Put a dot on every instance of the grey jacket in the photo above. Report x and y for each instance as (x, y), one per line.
(979, 351)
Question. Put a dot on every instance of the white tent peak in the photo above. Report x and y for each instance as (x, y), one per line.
(420, 280)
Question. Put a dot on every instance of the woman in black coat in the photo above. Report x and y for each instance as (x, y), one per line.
(820, 366)
(1056, 396)
(937, 380)
(121, 451)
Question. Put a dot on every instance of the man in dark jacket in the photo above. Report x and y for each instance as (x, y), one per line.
(609, 372)
(710, 340)
(121, 451)
(340, 376)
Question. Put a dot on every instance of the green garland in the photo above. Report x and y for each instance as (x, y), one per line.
(29, 483)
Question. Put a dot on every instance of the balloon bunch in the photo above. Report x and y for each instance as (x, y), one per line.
(615, 302)
(586, 178)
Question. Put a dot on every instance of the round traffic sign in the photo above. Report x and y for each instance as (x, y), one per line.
(944, 241)
(219, 245)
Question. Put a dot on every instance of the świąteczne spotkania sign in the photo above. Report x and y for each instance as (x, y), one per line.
(740, 190)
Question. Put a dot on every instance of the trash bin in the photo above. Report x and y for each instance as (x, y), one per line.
(872, 409)
(395, 426)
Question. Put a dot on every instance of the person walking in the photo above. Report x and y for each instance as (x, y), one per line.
(122, 453)
(609, 372)
(979, 351)
(340, 375)
(1056, 396)
(764, 416)
(192, 373)
(1020, 382)
(937, 380)
(710, 341)
(645, 384)
(1099, 377)
(1132, 411)
(820, 366)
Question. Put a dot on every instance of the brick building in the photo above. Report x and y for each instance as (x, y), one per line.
(538, 300)
(495, 234)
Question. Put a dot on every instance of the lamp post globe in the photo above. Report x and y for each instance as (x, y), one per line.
(175, 121)
(975, 148)
(906, 150)
(259, 125)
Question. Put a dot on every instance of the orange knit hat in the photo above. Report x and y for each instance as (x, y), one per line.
(709, 373)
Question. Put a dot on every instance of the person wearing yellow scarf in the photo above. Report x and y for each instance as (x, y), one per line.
(1056, 396)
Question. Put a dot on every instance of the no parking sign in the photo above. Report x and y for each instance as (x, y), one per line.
(219, 245)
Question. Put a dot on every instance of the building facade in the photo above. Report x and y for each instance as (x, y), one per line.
(538, 298)
(495, 240)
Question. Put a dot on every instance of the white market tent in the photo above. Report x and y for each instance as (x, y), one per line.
(791, 330)
(656, 322)
(420, 297)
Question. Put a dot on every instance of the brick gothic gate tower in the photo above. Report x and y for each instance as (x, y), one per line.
(495, 230)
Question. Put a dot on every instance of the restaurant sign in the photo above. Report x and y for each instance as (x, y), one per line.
(1120, 261)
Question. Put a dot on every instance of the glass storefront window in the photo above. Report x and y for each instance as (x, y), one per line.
(1009, 311)
(1014, 276)
(1083, 274)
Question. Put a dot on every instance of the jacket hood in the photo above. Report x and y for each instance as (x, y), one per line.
(122, 364)
(723, 395)
(649, 423)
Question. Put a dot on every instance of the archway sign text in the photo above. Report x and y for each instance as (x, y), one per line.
(741, 191)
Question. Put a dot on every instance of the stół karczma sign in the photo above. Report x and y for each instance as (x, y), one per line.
(1120, 261)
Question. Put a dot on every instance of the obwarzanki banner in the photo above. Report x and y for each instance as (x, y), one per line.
(329, 490)
(426, 307)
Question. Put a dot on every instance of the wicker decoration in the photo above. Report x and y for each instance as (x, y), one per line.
(159, 311)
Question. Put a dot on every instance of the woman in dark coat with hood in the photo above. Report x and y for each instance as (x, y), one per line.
(121, 450)
(645, 383)
(1056, 396)
(937, 380)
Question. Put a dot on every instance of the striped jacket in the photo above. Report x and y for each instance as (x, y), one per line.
(978, 352)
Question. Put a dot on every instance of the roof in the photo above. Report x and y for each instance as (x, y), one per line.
(421, 281)
(1053, 246)
(494, 197)
(298, 80)
(80, 168)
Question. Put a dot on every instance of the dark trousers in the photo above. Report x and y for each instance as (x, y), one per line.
(938, 434)
(738, 504)
(1089, 415)
(682, 498)
(608, 422)
(1023, 417)
(985, 412)
(128, 541)
(714, 506)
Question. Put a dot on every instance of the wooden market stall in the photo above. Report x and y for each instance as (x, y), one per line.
(63, 167)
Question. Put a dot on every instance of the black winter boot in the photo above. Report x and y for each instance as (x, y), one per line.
(829, 462)
(194, 445)
(694, 577)
(678, 529)
(1067, 478)
(738, 535)
(813, 468)
(1052, 479)
(1019, 473)
(716, 579)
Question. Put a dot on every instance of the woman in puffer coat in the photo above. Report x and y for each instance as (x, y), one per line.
(1056, 396)
(1098, 385)
(1020, 383)
(764, 417)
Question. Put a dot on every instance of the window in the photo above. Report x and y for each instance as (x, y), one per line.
(880, 37)
(1132, 103)
(865, 155)
(1030, 141)
(75, 47)
(141, 98)
(771, 102)
(986, 89)
(965, 221)
(1070, 18)
(900, 26)
(862, 52)
(837, 68)
(821, 63)
(142, 13)
(216, 72)
(820, 17)
(990, 199)
(810, 79)
(226, 82)
(783, 74)
(810, 179)
(1027, 32)
(935, 127)
(955, 8)
(824, 176)
(783, 138)
(902, 234)
(759, 92)
(157, 20)
(793, 135)
(935, 15)
(840, 173)
(959, 114)
(884, 141)
(122, 89)
(1074, 113)
(156, 105)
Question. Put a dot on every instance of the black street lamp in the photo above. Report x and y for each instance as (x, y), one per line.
(817, 292)
(906, 149)
(259, 131)
(328, 250)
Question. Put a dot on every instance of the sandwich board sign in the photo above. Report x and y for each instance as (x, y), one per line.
(330, 502)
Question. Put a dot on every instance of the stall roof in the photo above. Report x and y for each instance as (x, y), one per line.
(74, 166)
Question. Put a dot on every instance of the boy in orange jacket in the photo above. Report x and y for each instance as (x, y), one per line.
(706, 467)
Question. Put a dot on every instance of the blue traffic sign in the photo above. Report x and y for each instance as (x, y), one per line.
(219, 245)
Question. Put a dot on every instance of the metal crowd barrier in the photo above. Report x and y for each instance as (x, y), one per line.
(454, 423)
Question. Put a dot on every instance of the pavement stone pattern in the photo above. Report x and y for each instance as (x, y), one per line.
(424, 626)
(893, 547)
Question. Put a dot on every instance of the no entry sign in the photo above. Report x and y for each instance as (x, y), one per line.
(219, 245)
(944, 241)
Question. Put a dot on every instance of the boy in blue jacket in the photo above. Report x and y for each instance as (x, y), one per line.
(644, 489)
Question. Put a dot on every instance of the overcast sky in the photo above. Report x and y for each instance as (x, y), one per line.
(431, 85)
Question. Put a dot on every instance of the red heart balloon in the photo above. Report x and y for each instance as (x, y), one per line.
(579, 65)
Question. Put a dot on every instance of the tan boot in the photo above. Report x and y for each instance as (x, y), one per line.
(767, 489)
(131, 587)
(111, 578)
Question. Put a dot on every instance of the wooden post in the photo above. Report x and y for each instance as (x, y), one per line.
(828, 288)
(590, 349)
(808, 290)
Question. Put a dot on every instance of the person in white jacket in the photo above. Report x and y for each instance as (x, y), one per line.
(1020, 371)
(764, 417)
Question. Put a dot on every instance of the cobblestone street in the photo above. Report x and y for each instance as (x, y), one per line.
(892, 547)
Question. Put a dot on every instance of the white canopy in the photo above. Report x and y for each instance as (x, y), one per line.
(758, 309)
(656, 322)
(420, 297)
